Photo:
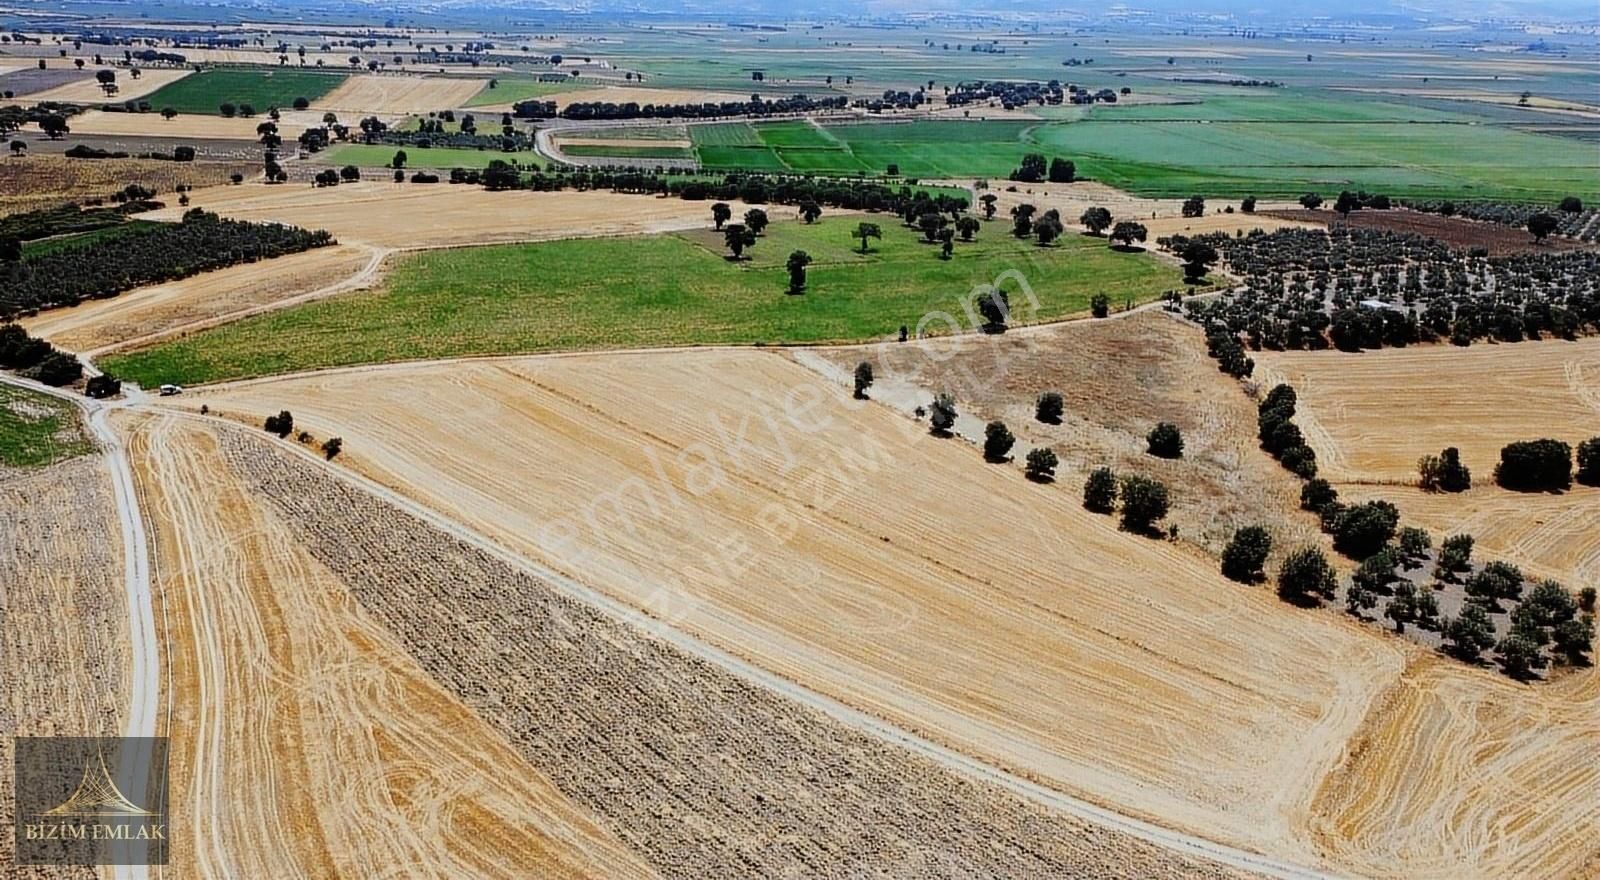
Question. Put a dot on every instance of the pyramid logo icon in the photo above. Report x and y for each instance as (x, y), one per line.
(97, 795)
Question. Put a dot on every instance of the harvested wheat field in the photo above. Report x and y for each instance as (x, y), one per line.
(63, 622)
(314, 743)
(192, 125)
(1117, 378)
(411, 216)
(1462, 774)
(399, 94)
(34, 182)
(842, 547)
(202, 300)
(1371, 415)
(88, 91)
(701, 772)
(1160, 216)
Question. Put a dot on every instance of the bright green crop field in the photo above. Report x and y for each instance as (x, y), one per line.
(510, 91)
(659, 290)
(260, 87)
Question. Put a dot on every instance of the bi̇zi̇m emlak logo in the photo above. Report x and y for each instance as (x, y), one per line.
(86, 800)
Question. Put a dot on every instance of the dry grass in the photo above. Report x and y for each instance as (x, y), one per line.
(88, 91)
(416, 215)
(304, 739)
(30, 183)
(64, 658)
(367, 94)
(890, 570)
(162, 308)
(1160, 216)
(1118, 378)
(190, 125)
(1370, 416)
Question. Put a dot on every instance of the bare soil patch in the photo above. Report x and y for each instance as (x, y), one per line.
(389, 94)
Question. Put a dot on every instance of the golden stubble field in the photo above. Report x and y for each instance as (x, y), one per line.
(390, 95)
(902, 575)
(304, 740)
(1371, 416)
(413, 216)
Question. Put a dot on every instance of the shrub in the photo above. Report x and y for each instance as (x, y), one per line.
(863, 379)
(1100, 491)
(1589, 462)
(1100, 305)
(1049, 408)
(997, 441)
(332, 447)
(1586, 599)
(1306, 576)
(1444, 472)
(1317, 494)
(1143, 502)
(1535, 465)
(1363, 529)
(1245, 554)
(281, 424)
(942, 414)
(1165, 441)
(1042, 463)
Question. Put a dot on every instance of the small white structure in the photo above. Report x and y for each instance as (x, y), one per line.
(169, 390)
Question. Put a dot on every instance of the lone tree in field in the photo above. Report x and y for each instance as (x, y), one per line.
(995, 307)
(810, 211)
(798, 261)
(399, 160)
(863, 379)
(1311, 201)
(1022, 220)
(738, 237)
(988, 200)
(1042, 463)
(1245, 555)
(1165, 441)
(968, 226)
(1062, 170)
(1197, 259)
(1126, 232)
(1535, 466)
(1100, 491)
(942, 415)
(866, 232)
(1194, 206)
(1306, 577)
(1347, 202)
(997, 442)
(947, 243)
(1143, 502)
(1048, 229)
(1444, 472)
(720, 214)
(1049, 408)
(1248, 205)
(756, 220)
(281, 424)
(1589, 462)
(1541, 225)
(332, 447)
(1100, 305)
(1096, 220)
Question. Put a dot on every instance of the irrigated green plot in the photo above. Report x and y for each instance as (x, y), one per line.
(261, 87)
(653, 291)
(43, 246)
(38, 429)
(756, 158)
(724, 134)
(380, 156)
(510, 91)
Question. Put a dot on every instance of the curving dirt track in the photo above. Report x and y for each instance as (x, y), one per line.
(305, 743)
(410, 216)
(890, 571)
(190, 303)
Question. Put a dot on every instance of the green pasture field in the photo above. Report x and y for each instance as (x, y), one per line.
(380, 155)
(37, 429)
(44, 246)
(656, 290)
(511, 90)
(260, 87)
(621, 151)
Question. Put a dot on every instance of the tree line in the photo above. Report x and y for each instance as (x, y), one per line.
(165, 252)
(605, 110)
